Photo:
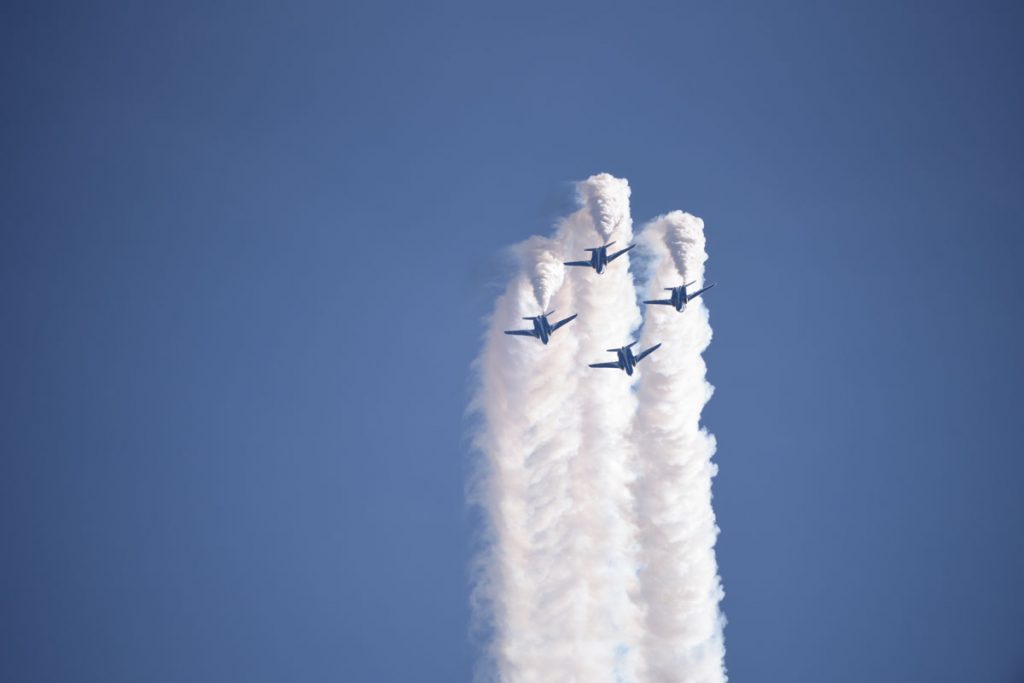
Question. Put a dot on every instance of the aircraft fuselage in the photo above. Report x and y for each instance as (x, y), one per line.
(543, 328)
(627, 361)
(679, 298)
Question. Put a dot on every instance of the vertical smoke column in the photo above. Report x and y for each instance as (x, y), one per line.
(679, 575)
(606, 543)
(555, 583)
(523, 586)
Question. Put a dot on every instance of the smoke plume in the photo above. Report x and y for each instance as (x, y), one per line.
(588, 497)
(679, 579)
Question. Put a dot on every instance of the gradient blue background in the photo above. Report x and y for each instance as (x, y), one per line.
(246, 249)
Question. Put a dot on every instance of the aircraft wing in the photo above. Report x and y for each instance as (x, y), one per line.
(647, 352)
(664, 302)
(563, 322)
(606, 365)
(524, 333)
(579, 263)
(620, 252)
(691, 297)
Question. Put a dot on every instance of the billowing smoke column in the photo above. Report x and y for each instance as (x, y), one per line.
(603, 471)
(679, 577)
(570, 561)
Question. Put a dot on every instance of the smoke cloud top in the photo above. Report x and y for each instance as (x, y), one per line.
(597, 560)
(606, 199)
(544, 268)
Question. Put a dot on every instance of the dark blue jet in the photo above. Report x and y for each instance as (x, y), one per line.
(542, 329)
(679, 296)
(626, 360)
(599, 257)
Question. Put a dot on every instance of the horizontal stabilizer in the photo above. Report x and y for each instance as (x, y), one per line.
(693, 296)
(620, 252)
(647, 352)
(563, 322)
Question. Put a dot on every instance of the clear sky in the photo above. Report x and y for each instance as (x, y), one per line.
(245, 254)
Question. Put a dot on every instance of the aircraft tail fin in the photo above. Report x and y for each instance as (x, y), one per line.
(538, 317)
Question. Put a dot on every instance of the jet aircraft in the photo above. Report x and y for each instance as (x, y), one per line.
(679, 296)
(625, 360)
(542, 329)
(599, 257)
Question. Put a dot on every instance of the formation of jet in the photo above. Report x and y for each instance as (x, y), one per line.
(625, 360)
(679, 296)
(542, 329)
(599, 257)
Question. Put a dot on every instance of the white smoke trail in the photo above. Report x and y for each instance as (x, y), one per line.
(679, 578)
(557, 581)
(605, 199)
(546, 271)
(530, 432)
(603, 474)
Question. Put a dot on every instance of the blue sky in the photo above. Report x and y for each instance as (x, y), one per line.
(244, 259)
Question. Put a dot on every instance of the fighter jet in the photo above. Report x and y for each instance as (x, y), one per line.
(542, 329)
(625, 358)
(679, 296)
(599, 257)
